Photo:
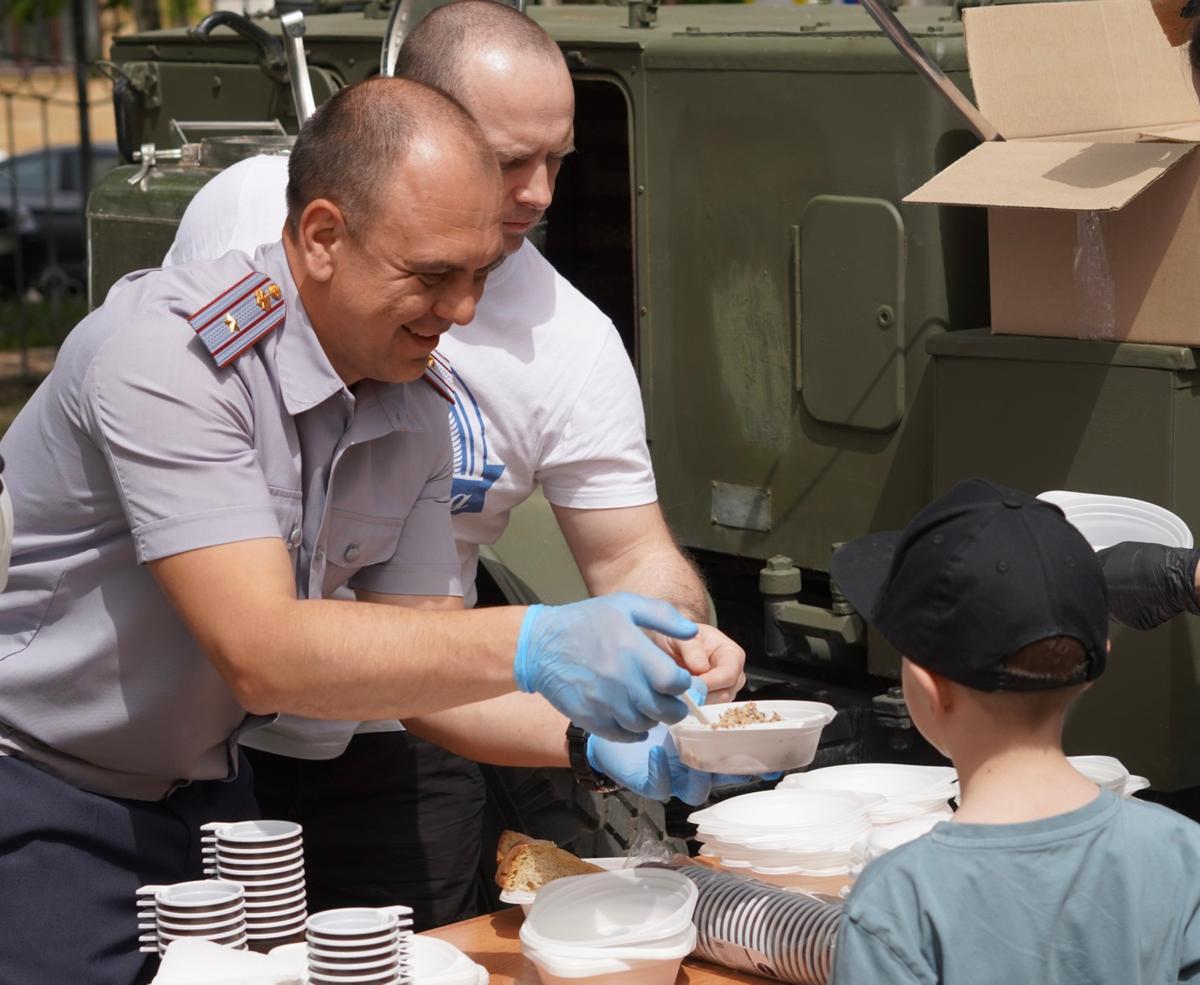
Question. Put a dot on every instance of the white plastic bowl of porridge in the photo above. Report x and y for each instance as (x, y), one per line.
(753, 736)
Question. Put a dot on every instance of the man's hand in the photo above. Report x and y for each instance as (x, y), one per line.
(1149, 583)
(592, 661)
(651, 768)
(713, 657)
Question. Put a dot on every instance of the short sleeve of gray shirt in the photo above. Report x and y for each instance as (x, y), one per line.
(177, 436)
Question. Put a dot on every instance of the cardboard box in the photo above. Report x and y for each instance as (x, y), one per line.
(1093, 198)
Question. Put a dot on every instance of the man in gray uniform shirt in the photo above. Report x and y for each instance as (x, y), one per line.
(545, 395)
(219, 448)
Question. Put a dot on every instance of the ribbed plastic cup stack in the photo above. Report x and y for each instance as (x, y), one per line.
(764, 930)
(363, 945)
(267, 858)
(211, 910)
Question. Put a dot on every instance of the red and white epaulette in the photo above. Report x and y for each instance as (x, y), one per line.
(241, 316)
(438, 375)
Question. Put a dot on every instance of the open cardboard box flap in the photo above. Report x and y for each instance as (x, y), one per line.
(1064, 175)
(1093, 101)
(1187, 134)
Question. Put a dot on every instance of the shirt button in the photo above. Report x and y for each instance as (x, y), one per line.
(319, 555)
(352, 553)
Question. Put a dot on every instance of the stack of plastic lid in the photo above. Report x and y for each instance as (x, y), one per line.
(1110, 773)
(908, 791)
(632, 925)
(786, 832)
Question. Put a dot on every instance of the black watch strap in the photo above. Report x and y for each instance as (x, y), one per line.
(585, 775)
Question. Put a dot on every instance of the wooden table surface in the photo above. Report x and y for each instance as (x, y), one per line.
(493, 942)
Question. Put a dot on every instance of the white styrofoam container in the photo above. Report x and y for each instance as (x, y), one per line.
(764, 747)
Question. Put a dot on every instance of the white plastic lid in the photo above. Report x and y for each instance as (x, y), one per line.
(895, 781)
(607, 908)
(786, 809)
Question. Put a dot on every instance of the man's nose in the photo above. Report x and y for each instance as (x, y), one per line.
(457, 307)
(536, 192)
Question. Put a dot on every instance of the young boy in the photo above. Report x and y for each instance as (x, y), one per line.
(1000, 609)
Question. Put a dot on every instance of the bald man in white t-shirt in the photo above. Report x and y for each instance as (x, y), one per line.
(545, 395)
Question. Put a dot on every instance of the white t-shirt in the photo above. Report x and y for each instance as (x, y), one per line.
(545, 395)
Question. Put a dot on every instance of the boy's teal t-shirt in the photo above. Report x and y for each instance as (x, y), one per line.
(1106, 895)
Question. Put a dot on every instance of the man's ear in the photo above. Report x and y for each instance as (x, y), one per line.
(321, 236)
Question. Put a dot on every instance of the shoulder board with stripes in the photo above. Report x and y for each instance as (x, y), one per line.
(235, 321)
(437, 374)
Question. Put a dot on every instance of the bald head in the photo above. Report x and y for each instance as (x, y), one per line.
(465, 33)
(356, 141)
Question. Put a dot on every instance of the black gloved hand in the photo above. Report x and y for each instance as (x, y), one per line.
(1149, 583)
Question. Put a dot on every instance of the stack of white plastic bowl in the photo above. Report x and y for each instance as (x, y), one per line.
(786, 836)
(629, 927)
(1110, 773)
(883, 839)
(908, 791)
(1108, 520)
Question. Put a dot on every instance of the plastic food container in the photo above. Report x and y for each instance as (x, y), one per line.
(763, 747)
(556, 969)
(605, 909)
(627, 927)
(1108, 520)
(525, 899)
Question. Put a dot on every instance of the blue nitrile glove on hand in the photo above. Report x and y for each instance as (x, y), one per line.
(651, 768)
(593, 663)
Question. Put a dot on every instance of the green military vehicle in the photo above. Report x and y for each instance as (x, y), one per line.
(813, 353)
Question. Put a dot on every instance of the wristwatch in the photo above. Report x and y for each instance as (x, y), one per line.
(585, 775)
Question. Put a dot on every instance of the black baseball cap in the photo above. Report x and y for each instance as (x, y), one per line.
(978, 574)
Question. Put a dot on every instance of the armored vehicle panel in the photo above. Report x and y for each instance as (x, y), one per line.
(736, 208)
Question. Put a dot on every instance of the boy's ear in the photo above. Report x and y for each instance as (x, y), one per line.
(935, 690)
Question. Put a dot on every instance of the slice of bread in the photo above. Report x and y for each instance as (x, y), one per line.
(510, 840)
(532, 864)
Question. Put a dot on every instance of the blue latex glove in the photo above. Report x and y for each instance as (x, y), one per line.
(651, 768)
(592, 661)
